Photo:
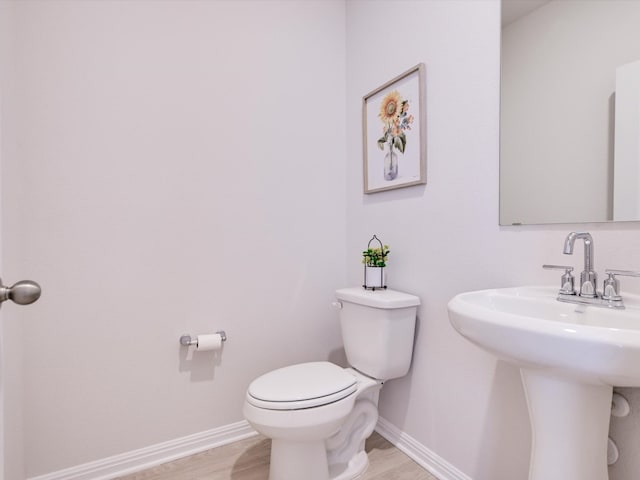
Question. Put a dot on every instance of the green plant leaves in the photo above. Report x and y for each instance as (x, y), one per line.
(375, 257)
(400, 142)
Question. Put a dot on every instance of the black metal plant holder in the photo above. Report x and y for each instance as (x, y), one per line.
(383, 286)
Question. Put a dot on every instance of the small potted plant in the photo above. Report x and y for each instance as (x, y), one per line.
(375, 261)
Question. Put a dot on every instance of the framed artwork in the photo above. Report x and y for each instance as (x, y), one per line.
(394, 133)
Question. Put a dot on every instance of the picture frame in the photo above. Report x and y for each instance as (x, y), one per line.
(394, 133)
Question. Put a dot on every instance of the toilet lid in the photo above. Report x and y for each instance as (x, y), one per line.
(299, 386)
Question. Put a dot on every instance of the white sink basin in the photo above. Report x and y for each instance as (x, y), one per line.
(570, 357)
(529, 327)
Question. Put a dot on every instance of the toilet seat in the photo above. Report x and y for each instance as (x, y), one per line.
(306, 385)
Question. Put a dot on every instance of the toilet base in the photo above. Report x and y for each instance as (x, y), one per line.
(288, 459)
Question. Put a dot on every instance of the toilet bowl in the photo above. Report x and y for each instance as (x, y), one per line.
(318, 415)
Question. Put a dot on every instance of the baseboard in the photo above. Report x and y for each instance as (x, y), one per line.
(424, 457)
(136, 460)
(143, 458)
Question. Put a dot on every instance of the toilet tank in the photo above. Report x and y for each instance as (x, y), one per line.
(377, 330)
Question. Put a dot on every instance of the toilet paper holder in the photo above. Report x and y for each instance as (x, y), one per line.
(189, 341)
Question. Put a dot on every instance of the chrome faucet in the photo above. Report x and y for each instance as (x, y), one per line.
(588, 293)
(588, 277)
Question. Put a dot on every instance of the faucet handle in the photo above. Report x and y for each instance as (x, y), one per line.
(611, 286)
(625, 273)
(567, 281)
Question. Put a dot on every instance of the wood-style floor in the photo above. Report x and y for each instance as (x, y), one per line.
(249, 460)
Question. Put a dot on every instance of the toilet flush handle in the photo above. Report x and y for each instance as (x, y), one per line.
(337, 305)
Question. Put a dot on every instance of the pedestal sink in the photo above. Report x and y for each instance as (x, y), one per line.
(570, 357)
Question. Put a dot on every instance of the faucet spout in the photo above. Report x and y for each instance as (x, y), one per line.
(588, 277)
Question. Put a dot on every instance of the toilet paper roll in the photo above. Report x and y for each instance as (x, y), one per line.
(209, 342)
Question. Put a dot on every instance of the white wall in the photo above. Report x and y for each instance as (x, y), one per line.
(183, 168)
(558, 78)
(445, 239)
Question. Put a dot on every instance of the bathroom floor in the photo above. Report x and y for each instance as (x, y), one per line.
(249, 460)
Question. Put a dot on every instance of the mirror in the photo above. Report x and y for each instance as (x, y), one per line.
(570, 111)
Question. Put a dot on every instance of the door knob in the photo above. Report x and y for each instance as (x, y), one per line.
(23, 293)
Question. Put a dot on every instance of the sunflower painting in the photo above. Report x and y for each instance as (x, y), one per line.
(394, 123)
(395, 118)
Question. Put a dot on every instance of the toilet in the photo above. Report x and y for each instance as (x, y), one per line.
(318, 415)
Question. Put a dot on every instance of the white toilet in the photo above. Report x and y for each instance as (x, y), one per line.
(318, 414)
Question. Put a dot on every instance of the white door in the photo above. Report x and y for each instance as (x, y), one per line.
(1, 416)
(21, 292)
(4, 42)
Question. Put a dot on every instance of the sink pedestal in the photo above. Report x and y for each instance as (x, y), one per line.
(570, 427)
